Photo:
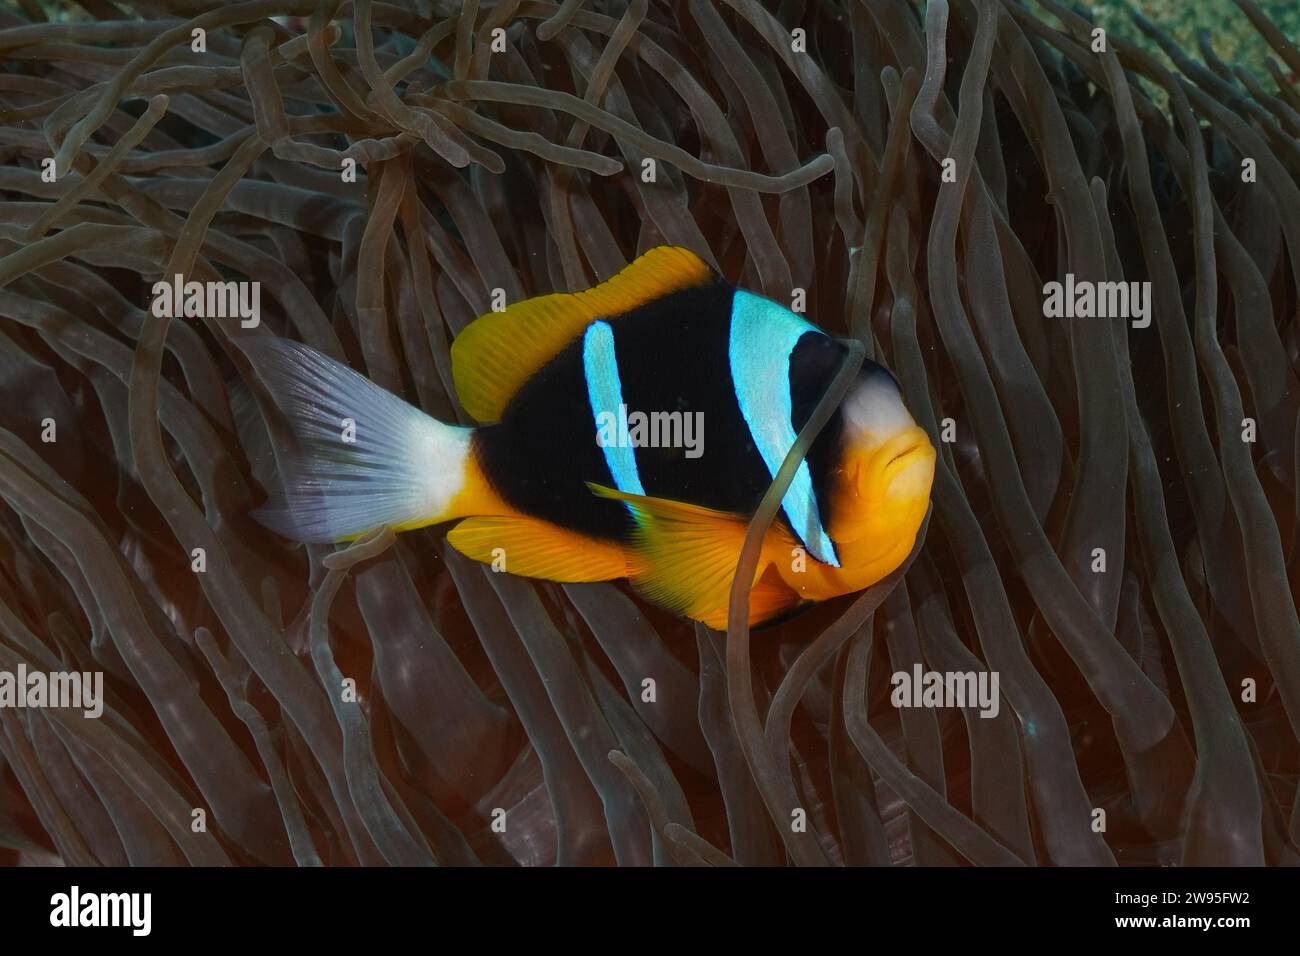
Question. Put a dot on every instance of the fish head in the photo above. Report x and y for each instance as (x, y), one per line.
(885, 472)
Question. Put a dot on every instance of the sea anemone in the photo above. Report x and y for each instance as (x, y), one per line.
(1113, 520)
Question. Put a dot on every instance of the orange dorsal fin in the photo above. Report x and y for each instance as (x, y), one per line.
(684, 557)
(496, 353)
(533, 548)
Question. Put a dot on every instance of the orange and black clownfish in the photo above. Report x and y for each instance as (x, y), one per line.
(561, 478)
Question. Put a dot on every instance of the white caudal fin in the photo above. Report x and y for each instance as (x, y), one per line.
(364, 458)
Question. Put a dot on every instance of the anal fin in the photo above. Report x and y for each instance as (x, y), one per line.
(534, 548)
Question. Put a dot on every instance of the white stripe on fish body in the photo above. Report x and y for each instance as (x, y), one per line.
(401, 468)
(762, 338)
(605, 395)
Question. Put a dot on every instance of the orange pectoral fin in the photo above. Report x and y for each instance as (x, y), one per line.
(768, 597)
(538, 549)
(684, 557)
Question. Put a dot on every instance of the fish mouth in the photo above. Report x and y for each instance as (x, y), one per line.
(903, 446)
(904, 453)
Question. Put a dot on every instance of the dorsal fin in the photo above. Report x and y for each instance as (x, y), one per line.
(496, 353)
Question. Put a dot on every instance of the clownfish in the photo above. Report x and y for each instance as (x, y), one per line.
(625, 431)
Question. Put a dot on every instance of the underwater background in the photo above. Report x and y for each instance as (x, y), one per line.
(1113, 531)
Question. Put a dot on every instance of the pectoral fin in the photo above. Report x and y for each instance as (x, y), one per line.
(684, 557)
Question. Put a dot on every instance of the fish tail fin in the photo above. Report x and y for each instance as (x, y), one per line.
(364, 458)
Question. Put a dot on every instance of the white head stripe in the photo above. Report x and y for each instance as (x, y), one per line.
(763, 336)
